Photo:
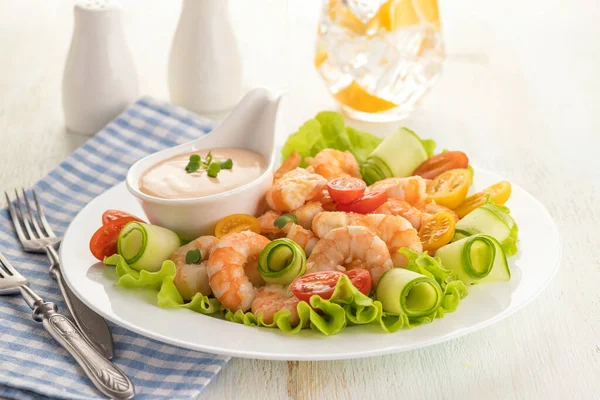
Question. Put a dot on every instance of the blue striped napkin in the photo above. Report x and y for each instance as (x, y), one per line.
(32, 365)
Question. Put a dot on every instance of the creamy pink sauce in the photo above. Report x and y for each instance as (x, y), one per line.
(169, 179)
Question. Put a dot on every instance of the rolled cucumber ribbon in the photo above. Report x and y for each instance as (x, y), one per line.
(145, 247)
(281, 261)
(475, 259)
(399, 155)
(405, 292)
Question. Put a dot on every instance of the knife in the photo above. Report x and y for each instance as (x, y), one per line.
(92, 325)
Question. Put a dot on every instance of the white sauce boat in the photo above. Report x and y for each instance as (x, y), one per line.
(251, 125)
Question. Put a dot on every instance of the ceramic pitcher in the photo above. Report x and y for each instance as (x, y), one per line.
(99, 79)
(205, 68)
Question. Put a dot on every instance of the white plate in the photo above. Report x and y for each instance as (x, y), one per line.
(532, 269)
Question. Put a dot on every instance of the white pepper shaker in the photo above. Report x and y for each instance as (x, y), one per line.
(205, 67)
(99, 79)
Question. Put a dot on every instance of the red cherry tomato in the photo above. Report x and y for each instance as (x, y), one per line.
(367, 203)
(319, 283)
(346, 190)
(323, 283)
(104, 242)
(441, 163)
(111, 215)
(361, 278)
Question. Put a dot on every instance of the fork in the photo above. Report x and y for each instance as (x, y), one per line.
(106, 376)
(37, 240)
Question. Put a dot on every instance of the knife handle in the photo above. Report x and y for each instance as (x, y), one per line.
(92, 325)
(106, 376)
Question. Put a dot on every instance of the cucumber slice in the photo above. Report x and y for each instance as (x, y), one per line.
(279, 257)
(405, 292)
(492, 220)
(281, 261)
(475, 259)
(145, 247)
(398, 155)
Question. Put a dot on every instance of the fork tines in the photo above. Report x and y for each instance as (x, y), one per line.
(28, 224)
(6, 269)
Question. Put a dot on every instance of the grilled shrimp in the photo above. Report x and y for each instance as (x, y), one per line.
(394, 230)
(403, 209)
(307, 212)
(294, 189)
(416, 215)
(412, 189)
(272, 298)
(267, 223)
(304, 237)
(290, 163)
(350, 247)
(333, 164)
(232, 269)
(192, 278)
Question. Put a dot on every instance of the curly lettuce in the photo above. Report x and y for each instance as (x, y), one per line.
(162, 280)
(347, 306)
(328, 131)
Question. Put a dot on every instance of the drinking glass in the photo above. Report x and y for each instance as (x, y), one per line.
(379, 57)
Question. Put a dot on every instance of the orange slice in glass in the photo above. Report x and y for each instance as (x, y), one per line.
(340, 14)
(357, 98)
(320, 58)
(397, 14)
(428, 11)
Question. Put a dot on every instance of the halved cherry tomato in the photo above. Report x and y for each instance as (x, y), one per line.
(345, 190)
(236, 223)
(323, 283)
(367, 203)
(450, 188)
(499, 193)
(437, 230)
(111, 215)
(441, 163)
(104, 241)
(361, 279)
(319, 283)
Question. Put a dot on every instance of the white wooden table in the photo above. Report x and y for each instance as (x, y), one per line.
(520, 94)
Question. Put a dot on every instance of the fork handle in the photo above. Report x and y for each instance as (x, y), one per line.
(106, 376)
(91, 324)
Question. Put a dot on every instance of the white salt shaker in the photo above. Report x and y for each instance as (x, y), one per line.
(205, 68)
(100, 79)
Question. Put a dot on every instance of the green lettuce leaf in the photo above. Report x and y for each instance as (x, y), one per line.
(327, 130)
(346, 306)
(361, 143)
(162, 281)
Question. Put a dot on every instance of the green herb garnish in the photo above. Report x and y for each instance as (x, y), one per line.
(193, 164)
(227, 164)
(284, 220)
(193, 256)
(213, 170)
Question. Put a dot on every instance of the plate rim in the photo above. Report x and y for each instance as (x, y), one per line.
(253, 354)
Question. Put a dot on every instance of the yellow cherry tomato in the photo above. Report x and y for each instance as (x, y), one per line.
(499, 193)
(437, 231)
(236, 223)
(450, 188)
